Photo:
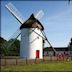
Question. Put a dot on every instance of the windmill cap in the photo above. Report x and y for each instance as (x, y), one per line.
(32, 22)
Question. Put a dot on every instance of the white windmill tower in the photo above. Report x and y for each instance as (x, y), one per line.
(32, 34)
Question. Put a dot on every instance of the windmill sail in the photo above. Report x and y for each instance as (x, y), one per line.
(13, 10)
(13, 40)
(48, 41)
(39, 15)
(14, 37)
(45, 38)
(15, 34)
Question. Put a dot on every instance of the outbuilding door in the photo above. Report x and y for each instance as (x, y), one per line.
(37, 53)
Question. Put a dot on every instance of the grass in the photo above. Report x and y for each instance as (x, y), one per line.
(49, 66)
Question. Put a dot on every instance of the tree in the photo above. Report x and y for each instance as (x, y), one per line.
(71, 42)
(70, 45)
(3, 46)
(10, 47)
(14, 46)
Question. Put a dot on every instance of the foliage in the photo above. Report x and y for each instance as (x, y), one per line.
(10, 47)
(3, 46)
(14, 46)
(71, 42)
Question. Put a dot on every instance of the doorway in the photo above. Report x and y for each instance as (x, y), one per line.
(37, 53)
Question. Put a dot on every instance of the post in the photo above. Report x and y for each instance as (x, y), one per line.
(36, 60)
(26, 61)
(16, 61)
(50, 58)
(57, 57)
(63, 57)
(5, 61)
(43, 59)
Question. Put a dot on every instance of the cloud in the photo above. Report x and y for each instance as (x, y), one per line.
(68, 11)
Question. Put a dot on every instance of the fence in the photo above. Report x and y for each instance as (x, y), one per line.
(25, 61)
(5, 62)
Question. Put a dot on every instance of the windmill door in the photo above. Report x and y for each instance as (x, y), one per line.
(37, 53)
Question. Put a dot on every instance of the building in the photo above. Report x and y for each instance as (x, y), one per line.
(31, 46)
(48, 51)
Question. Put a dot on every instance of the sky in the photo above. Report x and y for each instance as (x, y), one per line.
(57, 19)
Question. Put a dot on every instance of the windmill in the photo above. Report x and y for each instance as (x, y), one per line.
(32, 34)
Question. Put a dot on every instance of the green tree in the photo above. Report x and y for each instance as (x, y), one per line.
(3, 48)
(71, 42)
(13, 46)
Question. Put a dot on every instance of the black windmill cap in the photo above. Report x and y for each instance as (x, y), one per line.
(32, 16)
(30, 23)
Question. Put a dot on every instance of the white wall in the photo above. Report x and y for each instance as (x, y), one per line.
(30, 42)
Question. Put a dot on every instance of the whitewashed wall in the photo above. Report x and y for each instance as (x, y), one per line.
(30, 42)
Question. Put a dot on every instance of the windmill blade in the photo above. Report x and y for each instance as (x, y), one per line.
(34, 38)
(6, 44)
(45, 38)
(48, 41)
(13, 10)
(39, 15)
(39, 35)
(15, 34)
(13, 40)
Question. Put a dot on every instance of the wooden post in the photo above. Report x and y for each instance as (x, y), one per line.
(63, 57)
(50, 58)
(26, 61)
(43, 59)
(57, 57)
(16, 61)
(5, 61)
(36, 60)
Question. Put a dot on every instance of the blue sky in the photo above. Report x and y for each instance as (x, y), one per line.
(57, 19)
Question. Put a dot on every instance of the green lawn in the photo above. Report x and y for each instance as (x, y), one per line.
(50, 66)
